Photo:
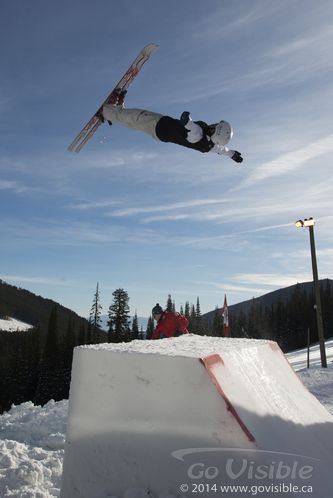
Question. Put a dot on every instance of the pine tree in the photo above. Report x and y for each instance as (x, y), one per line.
(51, 368)
(170, 305)
(326, 301)
(193, 314)
(135, 327)
(198, 325)
(83, 335)
(69, 344)
(217, 327)
(141, 334)
(197, 308)
(187, 310)
(95, 312)
(192, 321)
(150, 327)
(119, 319)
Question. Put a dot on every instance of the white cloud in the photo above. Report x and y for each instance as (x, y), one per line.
(170, 217)
(310, 41)
(288, 162)
(270, 279)
(131, 211)
(12, 185)
(118, 158)
(93, 204)
(211, 28)
(232, 288)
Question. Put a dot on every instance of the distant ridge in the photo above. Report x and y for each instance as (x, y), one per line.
(30, 308)
(271, 298)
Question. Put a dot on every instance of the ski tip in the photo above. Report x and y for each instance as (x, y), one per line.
(150, 48)
(71, 149)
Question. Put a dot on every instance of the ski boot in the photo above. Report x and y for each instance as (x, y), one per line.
(116, 99)
(121, 98)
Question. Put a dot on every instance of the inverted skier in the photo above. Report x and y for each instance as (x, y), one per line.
(196, 135)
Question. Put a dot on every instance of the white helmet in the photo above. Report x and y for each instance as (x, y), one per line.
(222, 133)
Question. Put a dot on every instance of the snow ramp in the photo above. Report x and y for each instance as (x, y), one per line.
(193, 416)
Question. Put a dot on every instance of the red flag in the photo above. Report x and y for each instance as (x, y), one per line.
(226, 329)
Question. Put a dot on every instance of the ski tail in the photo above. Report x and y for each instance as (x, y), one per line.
(93, 124)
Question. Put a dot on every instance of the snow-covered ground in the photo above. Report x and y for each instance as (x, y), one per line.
(12, 325)
(32, 442)
(318, 380)
(32, 438)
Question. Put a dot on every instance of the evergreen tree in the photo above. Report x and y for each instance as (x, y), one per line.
(187, 310)
(199, 323)
(150, 327)
(192, 326)
(170, 305)
(193, 314)
(119, 319)
(83, 335)
(51, 369)
(89, 334)
(197, 308)
(135, 327)
(95, 315)
(69, 344)
(217, 326)
(326, 301)
(181, 311)
(111, 334)
(18, 367)
(141, 334)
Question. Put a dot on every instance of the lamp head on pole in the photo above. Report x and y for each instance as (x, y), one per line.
(307, 222)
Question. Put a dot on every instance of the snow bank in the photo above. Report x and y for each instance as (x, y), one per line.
(159, 417)
(31, 450)
(318, 380)
(298, 359)
(13, 325)
(35, 425)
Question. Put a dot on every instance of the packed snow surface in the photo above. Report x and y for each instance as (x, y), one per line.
(32, 437)
(13, 325)
(189, 345)
(317, 379)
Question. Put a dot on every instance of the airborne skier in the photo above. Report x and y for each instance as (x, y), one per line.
(196, 135)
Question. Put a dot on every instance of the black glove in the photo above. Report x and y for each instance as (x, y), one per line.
(237, 157)
(184, 118)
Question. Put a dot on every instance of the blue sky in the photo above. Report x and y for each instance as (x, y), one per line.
(156, 218)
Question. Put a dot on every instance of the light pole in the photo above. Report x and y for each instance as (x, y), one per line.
(309, 223)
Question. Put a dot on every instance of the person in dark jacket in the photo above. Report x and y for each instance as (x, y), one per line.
(169, 323)
(196, 135)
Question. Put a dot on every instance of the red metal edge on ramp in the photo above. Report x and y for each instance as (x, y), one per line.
(209, 363)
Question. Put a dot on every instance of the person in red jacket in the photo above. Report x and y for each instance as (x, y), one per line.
(169, 324)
